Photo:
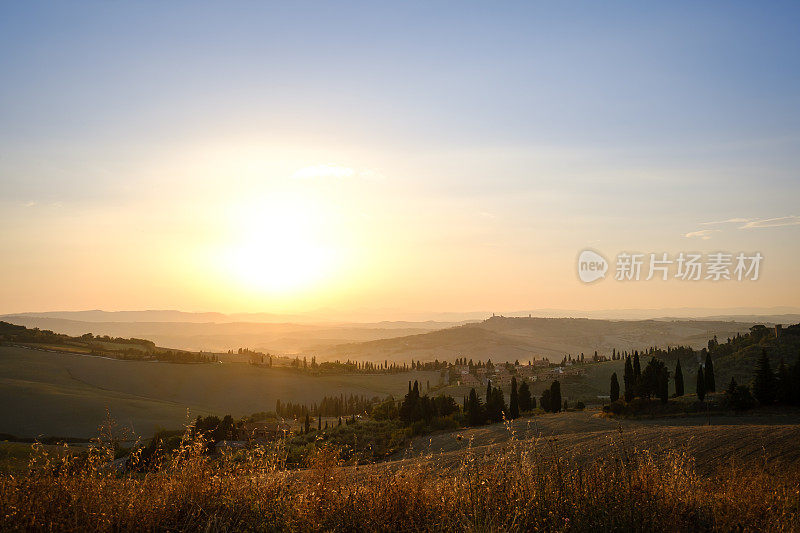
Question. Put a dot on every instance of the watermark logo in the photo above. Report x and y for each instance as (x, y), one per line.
(591, 266)
(685, 266)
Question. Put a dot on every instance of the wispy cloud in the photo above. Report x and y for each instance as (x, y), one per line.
(749, 223)
(791, 220)
(334, 171)
(704, 234)
(728, 221)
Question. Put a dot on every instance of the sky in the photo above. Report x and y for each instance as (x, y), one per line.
(396, 157)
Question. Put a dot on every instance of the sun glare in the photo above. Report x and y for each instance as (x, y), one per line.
(280, 246)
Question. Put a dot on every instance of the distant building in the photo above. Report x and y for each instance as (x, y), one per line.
(468, 380)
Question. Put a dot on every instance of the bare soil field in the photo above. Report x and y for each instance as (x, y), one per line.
(765, 438)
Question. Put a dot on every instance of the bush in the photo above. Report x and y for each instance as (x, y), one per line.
(738, 397)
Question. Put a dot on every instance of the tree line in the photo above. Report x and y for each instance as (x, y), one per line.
(332, 406)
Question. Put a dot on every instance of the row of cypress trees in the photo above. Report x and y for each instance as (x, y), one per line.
(782, 386)
(654, 381)
(494, 408)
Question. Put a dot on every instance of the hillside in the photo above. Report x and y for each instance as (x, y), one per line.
(509, 339)
(46, 393)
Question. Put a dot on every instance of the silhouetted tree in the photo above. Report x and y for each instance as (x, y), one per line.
(495, 405)
(513, 406)
(555, 396)
(738, 396)
(796, 383)
(678, 379)
(475, 414)
(525, 397)
(614, 387)
(764, 383)
(628, 379)
(544, 402)
(708, 374)
(654, 378)
(411, 408)
(783, 384)
(701, 384)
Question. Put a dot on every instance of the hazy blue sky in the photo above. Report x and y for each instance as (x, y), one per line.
(461, 154)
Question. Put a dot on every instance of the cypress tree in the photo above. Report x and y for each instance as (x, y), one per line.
(783, 386)
(524, 397)
(796, 383)
(637, 369)
(708, 374)
(319, 423)
(663, 388)
(308, 424)
(701, 384)
(678, 379)
(614, 387)
(544, 402)
(475, 416)
(513, 406)
(764, 383)
(627, 378)
(555, 396)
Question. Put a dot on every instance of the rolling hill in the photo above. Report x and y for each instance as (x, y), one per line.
(66, 395)
(509, 339)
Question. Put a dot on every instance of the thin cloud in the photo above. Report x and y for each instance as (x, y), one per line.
(729, 221)
(791, 220)
(325, 171)
(704, 234)
(333, 171)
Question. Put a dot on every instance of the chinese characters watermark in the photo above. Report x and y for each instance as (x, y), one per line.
(684, 266)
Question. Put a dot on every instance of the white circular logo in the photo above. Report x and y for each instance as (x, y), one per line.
(591, 266)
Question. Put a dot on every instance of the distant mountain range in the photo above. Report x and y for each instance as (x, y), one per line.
(389, 317)
(499, 338)
(224, 336)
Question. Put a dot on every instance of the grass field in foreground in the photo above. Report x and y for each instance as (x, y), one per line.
(520, 484)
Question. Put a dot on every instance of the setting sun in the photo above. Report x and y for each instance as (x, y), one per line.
(279, 245)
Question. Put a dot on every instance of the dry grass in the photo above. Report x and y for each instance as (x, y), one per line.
(527, 485)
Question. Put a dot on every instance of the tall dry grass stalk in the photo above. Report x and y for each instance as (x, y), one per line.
(522, 486)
